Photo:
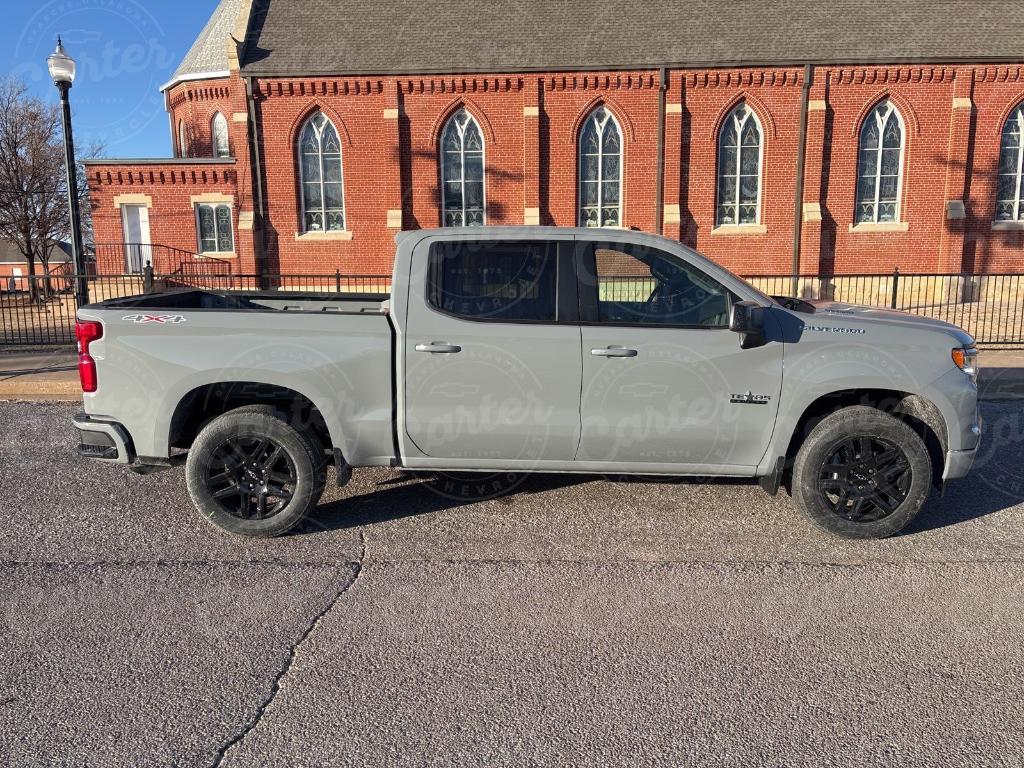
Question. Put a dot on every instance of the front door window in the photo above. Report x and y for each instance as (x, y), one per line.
(637, 285)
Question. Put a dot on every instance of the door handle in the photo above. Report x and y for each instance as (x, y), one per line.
(438, 347)
(613, 352)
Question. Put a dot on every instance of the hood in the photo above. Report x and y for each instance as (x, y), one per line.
(859, 314)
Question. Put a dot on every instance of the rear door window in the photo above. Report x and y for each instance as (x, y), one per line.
(499, 281)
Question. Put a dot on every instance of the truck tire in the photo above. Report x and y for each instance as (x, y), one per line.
(862, 474)
(251, 473)
(309, 432)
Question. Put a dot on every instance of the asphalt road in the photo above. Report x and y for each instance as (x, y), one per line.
(563, 621)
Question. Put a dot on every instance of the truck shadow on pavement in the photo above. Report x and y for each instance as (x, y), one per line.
(410, 495)
(960, 504)
(996, 481)
(995, 484)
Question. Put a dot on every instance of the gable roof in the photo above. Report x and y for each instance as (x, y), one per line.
(323, 37)
(209, 53)
(10, 253)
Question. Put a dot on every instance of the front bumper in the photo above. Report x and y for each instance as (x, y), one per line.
(959, 463)
(103, 440)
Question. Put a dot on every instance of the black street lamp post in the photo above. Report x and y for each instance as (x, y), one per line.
(62, 70)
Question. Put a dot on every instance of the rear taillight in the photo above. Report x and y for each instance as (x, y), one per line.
(87, 331)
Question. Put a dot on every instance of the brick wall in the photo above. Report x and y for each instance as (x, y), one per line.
(997, 91)
(708, 98)
(370, 168)
(167, 190)
(924, 99)
(390, 130)
(193, 104)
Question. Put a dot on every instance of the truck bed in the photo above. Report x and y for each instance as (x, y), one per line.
(193, 299)
(162, 349)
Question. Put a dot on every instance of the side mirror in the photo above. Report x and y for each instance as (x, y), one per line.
(747, 319)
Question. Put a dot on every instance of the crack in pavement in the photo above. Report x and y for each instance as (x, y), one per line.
(293, 650)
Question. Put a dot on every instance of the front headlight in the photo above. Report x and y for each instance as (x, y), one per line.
(966, 359)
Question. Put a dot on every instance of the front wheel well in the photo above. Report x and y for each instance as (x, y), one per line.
(919, 412)
(207, 402)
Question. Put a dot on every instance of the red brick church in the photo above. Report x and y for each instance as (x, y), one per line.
(850, 136)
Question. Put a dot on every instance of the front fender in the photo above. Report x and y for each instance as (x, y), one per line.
(818, 367)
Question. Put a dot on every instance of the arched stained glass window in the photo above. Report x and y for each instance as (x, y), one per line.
(739, 168)
(462, 172)
(1010, 192)
(219, 136)
(880, 166)
(323, 198)
(600, 171)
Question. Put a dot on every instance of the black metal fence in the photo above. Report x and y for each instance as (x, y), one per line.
(988, 306)
(41, 310)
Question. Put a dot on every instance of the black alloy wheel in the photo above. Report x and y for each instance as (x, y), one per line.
(865, 479)
(252, 473)
(251, 477)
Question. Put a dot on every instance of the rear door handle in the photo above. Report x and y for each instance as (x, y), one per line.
(613, 352)
(439, 347)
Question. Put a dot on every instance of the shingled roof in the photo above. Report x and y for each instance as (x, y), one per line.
(308, 37)
(209, 53)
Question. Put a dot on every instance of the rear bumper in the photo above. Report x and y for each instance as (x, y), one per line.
(103, 440)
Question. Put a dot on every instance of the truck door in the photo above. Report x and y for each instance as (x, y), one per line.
(664, 380)
(492, 352)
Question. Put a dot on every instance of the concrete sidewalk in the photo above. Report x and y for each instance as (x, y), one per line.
(52, 374)
(39, 373)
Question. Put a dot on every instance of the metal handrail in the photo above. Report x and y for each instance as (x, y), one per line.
(163, 258)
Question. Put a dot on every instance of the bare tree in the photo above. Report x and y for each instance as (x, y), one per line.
(33, 182)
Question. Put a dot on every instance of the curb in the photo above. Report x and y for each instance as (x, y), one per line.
(40, 390)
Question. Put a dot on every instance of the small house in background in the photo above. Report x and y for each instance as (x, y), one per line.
(14, 267)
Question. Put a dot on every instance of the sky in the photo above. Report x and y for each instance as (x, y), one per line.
(124, 51)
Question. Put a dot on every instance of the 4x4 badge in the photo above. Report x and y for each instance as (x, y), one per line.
(160, 319)
(750, 399)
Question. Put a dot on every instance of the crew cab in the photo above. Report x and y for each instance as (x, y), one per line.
(531, 349)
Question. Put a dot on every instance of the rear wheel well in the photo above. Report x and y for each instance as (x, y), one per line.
(209, 401)
(918, 412)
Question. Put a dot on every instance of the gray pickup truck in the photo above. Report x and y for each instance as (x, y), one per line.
(531, 349)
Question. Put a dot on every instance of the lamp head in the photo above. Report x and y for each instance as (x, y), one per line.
(61, 66)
